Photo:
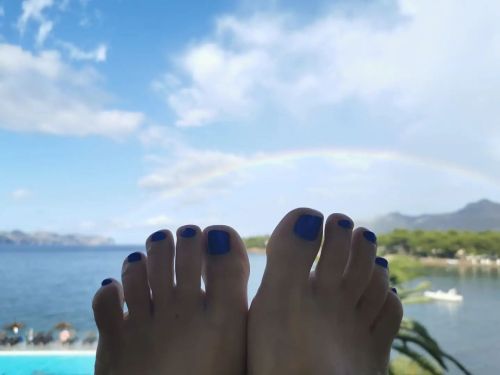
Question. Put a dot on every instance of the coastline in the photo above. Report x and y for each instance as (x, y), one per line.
(256, 250)
(461, 263)
(466, 262)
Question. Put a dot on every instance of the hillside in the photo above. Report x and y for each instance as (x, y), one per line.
(18, 237)
(476, 216)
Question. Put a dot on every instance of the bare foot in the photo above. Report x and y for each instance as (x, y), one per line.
(340, 320)
(176, 329)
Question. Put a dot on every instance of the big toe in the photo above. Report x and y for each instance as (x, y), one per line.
(291, 250)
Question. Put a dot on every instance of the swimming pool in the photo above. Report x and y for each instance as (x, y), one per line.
(47, 363)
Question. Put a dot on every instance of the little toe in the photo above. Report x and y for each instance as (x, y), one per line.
(225, 269)
(375, 294)
(335, 250)
(387, 323)
(360, 265)
(135, 286)
(292, 248)
(160, 266)
(188, 260)
(108, 313)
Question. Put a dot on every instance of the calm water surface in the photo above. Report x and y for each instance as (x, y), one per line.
(42, 286)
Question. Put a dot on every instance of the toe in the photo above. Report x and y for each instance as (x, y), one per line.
(292, 248)
(360, 265)
(387, 323)
(225, 269)
(108, 313)
(135, 286)
(160, 266)
(335, 250)
(375, 294)
(188, 259)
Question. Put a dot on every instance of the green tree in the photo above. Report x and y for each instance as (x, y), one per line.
(443, 244)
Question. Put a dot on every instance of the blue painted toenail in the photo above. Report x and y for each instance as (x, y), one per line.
(134, 257)
(307, 227)
(347, 224)
(218, 242)
(381, 262)
(106, 282)
(188, 232)
(370, 236)
(394, 290)
(158, 236)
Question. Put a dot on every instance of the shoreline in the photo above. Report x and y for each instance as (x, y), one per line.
(256, 250)
(461, 263)
(469, 262)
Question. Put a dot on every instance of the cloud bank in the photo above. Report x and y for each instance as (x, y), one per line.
(39, 92)
(434, 68)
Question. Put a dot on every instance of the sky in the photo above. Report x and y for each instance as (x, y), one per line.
(120, 117)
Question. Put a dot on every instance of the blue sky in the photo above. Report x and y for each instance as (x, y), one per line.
(118, 118)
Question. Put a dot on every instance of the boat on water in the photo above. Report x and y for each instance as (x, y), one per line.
(451, 295)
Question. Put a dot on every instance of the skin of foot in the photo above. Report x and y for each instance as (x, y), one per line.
(339, 319)
(176, 327)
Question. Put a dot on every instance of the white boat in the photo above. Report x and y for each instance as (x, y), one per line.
(451, 295)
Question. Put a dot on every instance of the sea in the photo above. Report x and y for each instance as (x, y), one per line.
(42, 286)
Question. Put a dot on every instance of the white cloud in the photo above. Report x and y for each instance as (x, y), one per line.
(437, 64)
(99, 54)
(33, 10)
(43, 32)
(21, 194)
(41, 93)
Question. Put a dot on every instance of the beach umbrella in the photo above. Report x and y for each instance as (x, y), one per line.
(14, 326)
(63, 325)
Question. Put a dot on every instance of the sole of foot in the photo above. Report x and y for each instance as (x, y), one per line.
(176, 327)
(339, 319)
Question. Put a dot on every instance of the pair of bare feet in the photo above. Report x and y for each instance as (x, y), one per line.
(339, 319)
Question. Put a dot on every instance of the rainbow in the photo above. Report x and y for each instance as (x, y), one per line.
(285, 157)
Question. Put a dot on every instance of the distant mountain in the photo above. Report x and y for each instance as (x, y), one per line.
(16, 237)
(477, 216)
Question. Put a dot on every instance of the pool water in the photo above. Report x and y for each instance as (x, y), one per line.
(47, 364)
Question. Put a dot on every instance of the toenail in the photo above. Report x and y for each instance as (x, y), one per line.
(188, 232)
(370, 236)
(134, 257)
(106, 282)
(158, 236)
(218, 242)
(381, 262)
(307, 227)
(347, 224)
(394, 290)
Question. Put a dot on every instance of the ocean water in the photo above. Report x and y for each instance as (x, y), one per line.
(42, 286)
(470, 330)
